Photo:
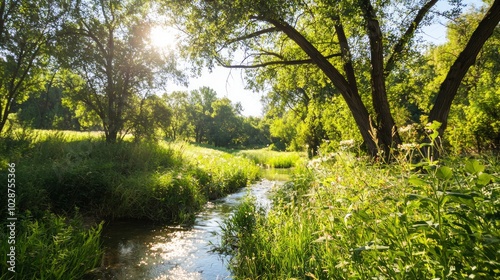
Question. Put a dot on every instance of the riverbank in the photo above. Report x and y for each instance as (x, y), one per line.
(138, 250)
(344, 217)
(62, 176)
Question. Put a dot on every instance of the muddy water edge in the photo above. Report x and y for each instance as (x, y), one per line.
(138, 250)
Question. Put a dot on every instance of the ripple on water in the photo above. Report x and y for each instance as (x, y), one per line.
(137, 250)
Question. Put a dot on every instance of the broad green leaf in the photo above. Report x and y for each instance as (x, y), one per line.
(461, 198)
(416, 181)
(474, 167)
(444, 173)
(484, 179)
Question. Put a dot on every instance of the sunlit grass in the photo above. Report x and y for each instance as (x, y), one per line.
(69, 172)
(345, 218)
(274, 159)
(62, 170)
(225, 172)
(52, 248)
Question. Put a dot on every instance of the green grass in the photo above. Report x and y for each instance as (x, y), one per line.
(273, 159)
(220, 172)
(345, 218)
(154, 181)
(52, 248)
(71, 172)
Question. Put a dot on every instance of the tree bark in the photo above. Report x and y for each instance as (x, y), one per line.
(348, 91)
(386, 127)
(464, 61)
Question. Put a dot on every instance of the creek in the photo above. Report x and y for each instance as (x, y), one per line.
(138, 250)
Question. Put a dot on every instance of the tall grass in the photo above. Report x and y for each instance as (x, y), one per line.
(69, 172)
(273, 159)
(155, 181)
(219, 172)
(349, 219)
(52, 248)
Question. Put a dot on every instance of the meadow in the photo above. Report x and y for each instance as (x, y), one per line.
(67, 182)
(346, 217)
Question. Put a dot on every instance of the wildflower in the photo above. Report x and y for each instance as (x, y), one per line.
(347, 143)
(404, 129)
(408, 146)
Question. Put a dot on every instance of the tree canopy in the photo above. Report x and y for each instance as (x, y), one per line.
(353, 44)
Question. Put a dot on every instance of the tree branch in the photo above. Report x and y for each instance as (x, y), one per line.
(346, 54)
(398, 48)
(252, 35)
(275, 62)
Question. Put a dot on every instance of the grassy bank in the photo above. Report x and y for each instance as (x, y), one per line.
(344, 218)
(273, 159)
(156, 181)
(67, 173)
(52, 247)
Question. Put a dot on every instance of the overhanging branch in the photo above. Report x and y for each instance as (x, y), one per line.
(275, 62)
(252, 35)
(405, 38)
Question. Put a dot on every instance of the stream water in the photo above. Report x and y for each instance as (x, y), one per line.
(135, 250)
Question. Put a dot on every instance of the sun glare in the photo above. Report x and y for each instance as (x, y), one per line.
(162, 37)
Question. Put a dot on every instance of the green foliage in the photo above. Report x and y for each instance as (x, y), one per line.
(52, 248)
(201, 116)
(27, 31)
(155, 181)
(273, 159)
(152, 118)
(348, 219)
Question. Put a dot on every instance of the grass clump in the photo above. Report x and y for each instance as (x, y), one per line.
(219, 172)
(273, 159)
(52, 248)
(350, 219)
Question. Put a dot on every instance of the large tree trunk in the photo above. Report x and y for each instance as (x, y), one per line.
(464, 61)
(348, 90)
(386, 126)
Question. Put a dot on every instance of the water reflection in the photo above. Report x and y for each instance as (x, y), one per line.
(136, 250)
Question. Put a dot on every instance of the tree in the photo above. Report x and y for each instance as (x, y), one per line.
(347, 41)
(226, 126)
(449, 87)
(106, 44)
(200, 112)
(178, 102)
(477, 100)
(152, 114)
(27, 30)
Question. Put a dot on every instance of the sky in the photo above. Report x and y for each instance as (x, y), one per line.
(230, 82)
